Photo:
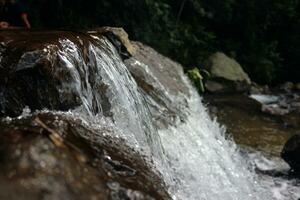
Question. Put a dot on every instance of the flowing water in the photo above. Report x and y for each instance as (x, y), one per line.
(193, 156)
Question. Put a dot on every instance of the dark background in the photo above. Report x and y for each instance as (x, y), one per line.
(263, 35)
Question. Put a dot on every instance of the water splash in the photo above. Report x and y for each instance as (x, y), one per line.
(201, 164)
(105, 89)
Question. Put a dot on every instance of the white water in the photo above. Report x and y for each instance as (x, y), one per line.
(195, 159)
(127, 110)
(206, 165)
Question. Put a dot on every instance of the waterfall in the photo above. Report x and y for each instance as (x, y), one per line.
(200, 162)
(105, 71)
(192, 155)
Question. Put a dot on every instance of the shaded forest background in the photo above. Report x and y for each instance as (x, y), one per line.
(263, 35)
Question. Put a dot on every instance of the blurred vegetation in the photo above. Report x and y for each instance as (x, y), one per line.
(197, 76)
(263, 35)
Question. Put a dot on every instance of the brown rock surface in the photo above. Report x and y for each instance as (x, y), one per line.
(56, 157)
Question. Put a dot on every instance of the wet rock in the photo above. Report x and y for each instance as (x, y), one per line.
(159, 78)
(121, 35)
(71, 165)
(120, 40)
(291, 152)
(258, 89)
(228, 72)
(33, 70)
(275, 109)
(36, 73)
(57, 71)
(297, 86)
(213, 86)
(281, 104)
(287, 87)
(119, 193)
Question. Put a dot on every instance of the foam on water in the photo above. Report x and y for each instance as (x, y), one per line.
(281, 187)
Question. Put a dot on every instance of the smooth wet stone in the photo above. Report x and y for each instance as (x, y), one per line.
(33, 70)
(291, 151)
(123, 45)
(163, 83)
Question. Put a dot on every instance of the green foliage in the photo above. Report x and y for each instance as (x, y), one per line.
(196, 77)
(262, 35)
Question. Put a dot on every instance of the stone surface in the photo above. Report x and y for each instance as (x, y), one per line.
(287, 87)
(297, 86)
(121, 35)
(291, 152)
(221, 66)
(213, 86)
(156, 75)
(74, 164)
(31, 72)
(275, 109)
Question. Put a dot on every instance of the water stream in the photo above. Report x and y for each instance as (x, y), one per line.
(193, 156)
(201, 164)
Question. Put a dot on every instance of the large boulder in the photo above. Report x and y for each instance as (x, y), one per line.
(49, 156)
(291, 153)
(227, 72)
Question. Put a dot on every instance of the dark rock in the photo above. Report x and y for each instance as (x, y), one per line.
(119, 38)
(297, 86)
(287, 87)
(213, 86)
(32, 71)
(291, 152)
(258, 89)
(274, 109)
(80, 165)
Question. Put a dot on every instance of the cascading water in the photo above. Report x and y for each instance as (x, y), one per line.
(202, 164)
(192, 155)
(127, 110)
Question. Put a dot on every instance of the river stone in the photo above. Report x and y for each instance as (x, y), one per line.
(227, 72)
(49, 156)
(291, 152)
(287, 87)
(213, 86)
(159, 77)
(297, 86)
(121, 34)
(32, 70)
(220, 65)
